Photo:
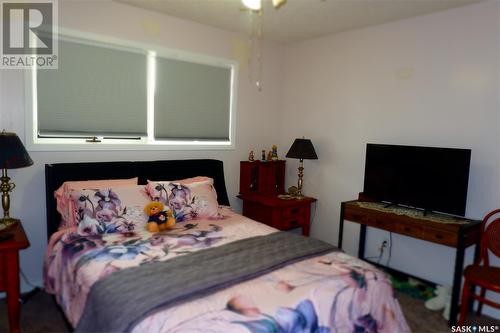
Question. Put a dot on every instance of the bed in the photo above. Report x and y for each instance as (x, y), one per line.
(229, 274)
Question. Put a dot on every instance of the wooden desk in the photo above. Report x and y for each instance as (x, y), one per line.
(278, 213)
(458, 233)
(9, 272)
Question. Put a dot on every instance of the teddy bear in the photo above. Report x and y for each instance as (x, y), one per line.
(158, 218)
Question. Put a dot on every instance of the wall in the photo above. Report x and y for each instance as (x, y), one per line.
(431, 81)
(256, 112)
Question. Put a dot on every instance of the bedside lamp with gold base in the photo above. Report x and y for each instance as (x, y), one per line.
(13, 155)
(301, 149)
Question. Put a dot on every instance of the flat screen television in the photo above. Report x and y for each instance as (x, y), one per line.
(430, 178)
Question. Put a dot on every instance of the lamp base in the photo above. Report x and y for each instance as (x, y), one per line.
(299, 196)
(295, 193)
(6, 222)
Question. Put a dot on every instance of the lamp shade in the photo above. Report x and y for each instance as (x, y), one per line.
(302, 149)
(13, 155)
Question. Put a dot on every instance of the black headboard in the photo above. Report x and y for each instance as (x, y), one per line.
(57, 174)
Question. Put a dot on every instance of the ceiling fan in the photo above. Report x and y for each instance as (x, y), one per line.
(257, 4)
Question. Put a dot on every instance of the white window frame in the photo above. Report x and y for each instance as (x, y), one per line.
(34, 143)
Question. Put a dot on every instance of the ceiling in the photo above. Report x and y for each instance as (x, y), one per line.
(298, 19)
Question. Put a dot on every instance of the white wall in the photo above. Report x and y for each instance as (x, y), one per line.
(256, 112)
(431, 81)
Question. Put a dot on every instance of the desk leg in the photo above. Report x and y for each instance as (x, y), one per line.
(457, 279)
(12, 279)
(477, 252)
(362, 239)
(341, 226)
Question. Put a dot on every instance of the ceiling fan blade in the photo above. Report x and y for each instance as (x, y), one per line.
(278, 3)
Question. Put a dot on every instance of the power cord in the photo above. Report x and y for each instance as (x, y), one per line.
(381, 252)
(28, 282)
(26, 297)
(390, 249)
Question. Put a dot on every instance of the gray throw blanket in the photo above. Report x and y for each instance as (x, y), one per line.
(121, 300)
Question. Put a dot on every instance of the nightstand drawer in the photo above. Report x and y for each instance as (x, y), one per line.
(291, 223)
(293, 211)
(278, 213)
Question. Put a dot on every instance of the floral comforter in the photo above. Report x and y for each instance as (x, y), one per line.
(329, 293)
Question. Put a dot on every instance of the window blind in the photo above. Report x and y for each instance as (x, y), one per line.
(192, 101)
(97, 91)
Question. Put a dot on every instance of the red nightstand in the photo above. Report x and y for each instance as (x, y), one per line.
(278, 213)
(9, 272)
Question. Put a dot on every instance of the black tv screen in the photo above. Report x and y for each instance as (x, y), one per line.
(422, 177)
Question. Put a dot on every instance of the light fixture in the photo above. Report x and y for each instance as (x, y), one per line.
(253, 4)
(278, 3)
(255, 39)
(301, 149)
(257, 4)
(13, 155)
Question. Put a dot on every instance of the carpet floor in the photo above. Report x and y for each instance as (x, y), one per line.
(41, 315)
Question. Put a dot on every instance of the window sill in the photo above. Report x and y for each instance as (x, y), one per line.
(81, 145)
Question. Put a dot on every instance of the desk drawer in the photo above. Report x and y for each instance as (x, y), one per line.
(409, 230)
(354, 216)
(441, 236)
(293, 211)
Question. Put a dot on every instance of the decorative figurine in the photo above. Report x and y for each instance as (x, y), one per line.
(270, 156)
(275, 153)
(251, 156)
(263, 155)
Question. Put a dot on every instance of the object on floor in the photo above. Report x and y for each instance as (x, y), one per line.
(414, 282)
(412, 287)
(443, 295)
(447, 307)
(481, 274)
(24, 298)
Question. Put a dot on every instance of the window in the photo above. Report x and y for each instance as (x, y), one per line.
(115, 95)
(97, 91)
(191, 101)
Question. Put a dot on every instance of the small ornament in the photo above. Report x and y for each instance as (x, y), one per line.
(270, 156)
(275, 153)
(251, 156)
(263, 155)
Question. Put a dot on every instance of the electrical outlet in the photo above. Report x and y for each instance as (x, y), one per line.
(382, 247)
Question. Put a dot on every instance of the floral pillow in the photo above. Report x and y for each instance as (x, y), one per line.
(189, 198)
(63, 200)
(109, 210)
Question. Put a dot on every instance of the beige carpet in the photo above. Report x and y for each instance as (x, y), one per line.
(41, 315)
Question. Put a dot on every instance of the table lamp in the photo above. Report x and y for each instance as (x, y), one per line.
(301, 149)
(13, 155)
